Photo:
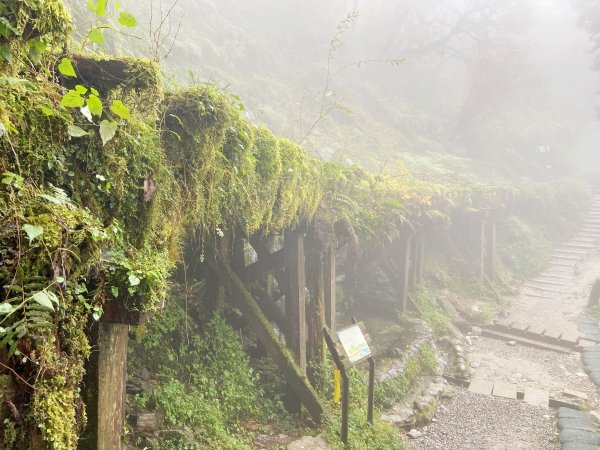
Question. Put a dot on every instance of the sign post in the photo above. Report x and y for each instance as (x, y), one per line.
(356, 349)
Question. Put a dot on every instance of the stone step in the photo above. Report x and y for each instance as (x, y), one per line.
(569, 252)
(566, 257)
(506, 390)
(549, 289)
(481, 386)
(553, 283)
(536, 397)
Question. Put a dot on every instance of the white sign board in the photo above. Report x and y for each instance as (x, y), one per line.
(354, 343)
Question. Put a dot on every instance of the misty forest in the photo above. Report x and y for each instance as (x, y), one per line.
(299, 224)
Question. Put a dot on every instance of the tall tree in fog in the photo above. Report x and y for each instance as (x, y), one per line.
(589, 19)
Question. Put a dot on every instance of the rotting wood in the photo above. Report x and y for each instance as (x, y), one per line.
(284, 360)
(216, 285)
(329, 276)
(295, 295)
(265, 264)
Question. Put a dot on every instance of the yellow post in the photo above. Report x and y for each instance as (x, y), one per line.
(337, 382)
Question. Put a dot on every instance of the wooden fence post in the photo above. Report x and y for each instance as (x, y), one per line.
(329, 276)
(295, 304)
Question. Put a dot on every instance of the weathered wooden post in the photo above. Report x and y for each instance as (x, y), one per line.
(315, 314)
(106, 377)
(490, 249)
(420, 262)
(295, 303)
(329, 275)
(216, 285)
(404, 263)
(477, 241)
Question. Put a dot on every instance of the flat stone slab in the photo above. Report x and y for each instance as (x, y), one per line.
(538, 330)
(580, 437)
(505, 390)
(536, 397)
(570, 337)
(567, 423)
(573, 413)
(552, 334)
(481, 386)
(519, 326)
(574, 393)
(310, 443)
(578, 446)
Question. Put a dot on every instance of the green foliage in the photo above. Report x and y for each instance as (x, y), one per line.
(209, 387)
(430, 311)
(422, 362)
(362, 435)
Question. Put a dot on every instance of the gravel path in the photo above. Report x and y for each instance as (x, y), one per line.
(473, 421)
(529, 367)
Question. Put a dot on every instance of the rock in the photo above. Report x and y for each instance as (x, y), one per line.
(423, 403)
(469, 340)
(511, 343)
(414, 434)
(145, 374)
(310, 443)
(476, 331)
(475, 365)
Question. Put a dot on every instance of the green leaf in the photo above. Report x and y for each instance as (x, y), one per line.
(97, 36)
(127, 20)
(108, 128)
(75, 131)
(114, 290)
(6, 28)
(94, 91)
(94, 104)
(47, 111)
(43, 299)
(5, 54)
(133, 280)
(86, 113)
(32, 231)
(81, 90)
(101, 8)
(72, 100)
(120, 109)
(5, 308)
(66, 68)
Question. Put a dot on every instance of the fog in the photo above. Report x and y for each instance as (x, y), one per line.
(504, 82)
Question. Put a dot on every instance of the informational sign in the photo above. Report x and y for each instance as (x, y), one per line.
(354, 343)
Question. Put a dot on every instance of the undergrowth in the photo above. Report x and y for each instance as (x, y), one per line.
(205, 388)
(422, 362)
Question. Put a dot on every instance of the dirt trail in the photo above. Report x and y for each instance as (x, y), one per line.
(555, 300)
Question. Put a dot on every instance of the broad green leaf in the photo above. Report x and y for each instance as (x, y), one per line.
(120, 109)
(86, 113)
(81, 90)
(94, 91)
(5, 54)
(101, 8)
(127, 20)
(59, 279)
(5, 308)
(91, 6)
(97, 36)
(6, 28)
(75, 131)
(32, 231)
(72, 100)
(66, 68)
(94, 104)
(47, 111)
(114, 290)
(133, 280)
(43, 299)
(108, 128)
